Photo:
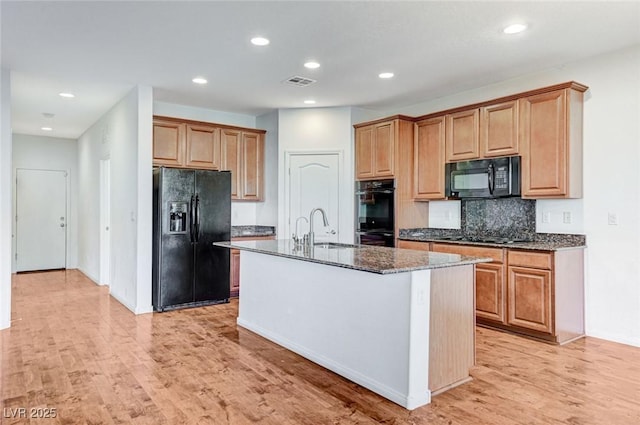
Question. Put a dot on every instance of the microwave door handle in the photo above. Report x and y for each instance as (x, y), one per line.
(491, 176)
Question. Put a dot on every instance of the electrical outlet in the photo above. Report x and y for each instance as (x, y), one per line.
(612, 219)
(566, 217)
(546, 217)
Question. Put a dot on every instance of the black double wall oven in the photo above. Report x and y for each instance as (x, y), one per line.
(374, 212)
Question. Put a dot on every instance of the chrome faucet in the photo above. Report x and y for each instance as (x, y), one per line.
(311, 237)
(296, 239)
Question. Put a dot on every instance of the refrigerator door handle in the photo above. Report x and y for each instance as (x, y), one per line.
(197, 223)
(192, 217)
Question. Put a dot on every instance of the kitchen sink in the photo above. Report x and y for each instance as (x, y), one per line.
(334, 245)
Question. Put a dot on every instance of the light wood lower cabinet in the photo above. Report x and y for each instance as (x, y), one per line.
(530, 299)
(535, 293)
(234, 268)
(490, 291)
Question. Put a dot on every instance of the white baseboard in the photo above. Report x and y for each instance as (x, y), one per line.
(123, 302)
(621, 339)
(93, 278)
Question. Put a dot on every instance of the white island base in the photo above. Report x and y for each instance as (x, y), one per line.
(404, 335)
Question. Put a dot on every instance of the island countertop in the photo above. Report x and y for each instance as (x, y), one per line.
(374, 259)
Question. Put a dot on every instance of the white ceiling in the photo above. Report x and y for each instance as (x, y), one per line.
(100, 50)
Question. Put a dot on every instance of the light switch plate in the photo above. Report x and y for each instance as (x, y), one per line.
(566, 217)
(612, 219)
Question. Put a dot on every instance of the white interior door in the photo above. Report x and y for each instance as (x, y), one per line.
(313, 183)
(41, 219)
(105, 222)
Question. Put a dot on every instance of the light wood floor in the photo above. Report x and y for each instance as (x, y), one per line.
(73, 348)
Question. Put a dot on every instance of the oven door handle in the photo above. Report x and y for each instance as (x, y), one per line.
(366, 192)
(375, 233)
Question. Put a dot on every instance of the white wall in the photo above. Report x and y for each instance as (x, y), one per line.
(5, 198)
(50, 153)
(318, 129)
(123, 135)
(202, 114)
(611, 182)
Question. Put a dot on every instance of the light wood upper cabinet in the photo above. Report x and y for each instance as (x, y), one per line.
(375, 151)
(243, 155)
(364, 153)
(203, 147)
(193, 144)
(551, 136)
(252, 166)
(499, 129)
(230, 143)
(168, 143)
(462, 135)
(429, 158)
(384, 149)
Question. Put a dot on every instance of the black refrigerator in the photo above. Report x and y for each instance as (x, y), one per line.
(192, 209)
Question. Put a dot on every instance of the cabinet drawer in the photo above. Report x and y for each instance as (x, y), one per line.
(422, 246)
(496, 254)
(536, 260)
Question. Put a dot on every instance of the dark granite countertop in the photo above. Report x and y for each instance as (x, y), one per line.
(374, 259)
(252, 230)
(539, 241)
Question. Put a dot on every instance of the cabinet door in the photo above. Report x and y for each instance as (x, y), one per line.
(364, 152)
(490, 291)
(168, 143)
(252, 166)
(230, 141)
(544, 141)
(203, 147)
(234, 281)
(463, 130)
(384, 136)
(529, 304)
(499, 129)
(428, 150)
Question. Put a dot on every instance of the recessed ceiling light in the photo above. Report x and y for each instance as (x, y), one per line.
(312, 65)
(67, 95)
(514, 28)
(309, 102)
(46, 128)
(386, 75)
(199, 80)
(259, 41)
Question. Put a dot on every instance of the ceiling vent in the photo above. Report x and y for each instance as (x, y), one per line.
(299, 81)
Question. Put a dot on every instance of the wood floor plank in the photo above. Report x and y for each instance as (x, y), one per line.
(74, 348)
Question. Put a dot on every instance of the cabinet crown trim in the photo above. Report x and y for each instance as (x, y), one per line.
(205, 123)
(567, 85)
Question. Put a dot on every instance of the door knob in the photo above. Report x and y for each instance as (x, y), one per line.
(61, 224)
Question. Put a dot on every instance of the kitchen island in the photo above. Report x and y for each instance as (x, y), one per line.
(398, 322)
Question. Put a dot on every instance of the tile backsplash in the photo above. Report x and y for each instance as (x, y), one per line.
(502, 217)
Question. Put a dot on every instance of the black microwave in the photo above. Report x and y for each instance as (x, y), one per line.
(483, 178)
